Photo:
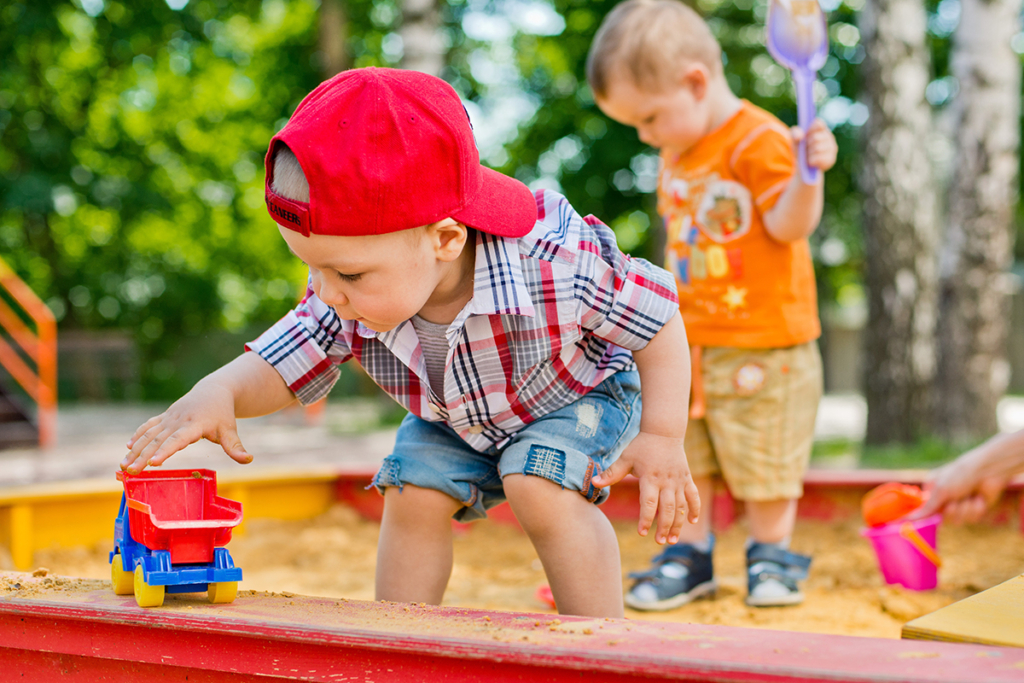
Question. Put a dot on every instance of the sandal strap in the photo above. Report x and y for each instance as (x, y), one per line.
(682, 554)
(782, 565)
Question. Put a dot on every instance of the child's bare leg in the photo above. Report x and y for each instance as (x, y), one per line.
(576, 544)
(414, 553)
(771, 521)
(696, 533)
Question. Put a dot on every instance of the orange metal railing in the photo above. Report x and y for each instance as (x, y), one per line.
(39, 346)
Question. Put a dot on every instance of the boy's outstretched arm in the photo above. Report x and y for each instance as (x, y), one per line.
(656, 455)
(797, 212)
(248, 386)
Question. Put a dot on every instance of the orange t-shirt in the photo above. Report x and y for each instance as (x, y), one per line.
(738, 286)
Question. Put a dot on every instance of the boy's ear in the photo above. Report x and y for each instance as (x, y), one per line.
(695, 76)
(448, 237)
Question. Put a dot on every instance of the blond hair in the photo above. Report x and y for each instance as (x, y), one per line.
(650, 40)
(289, 180)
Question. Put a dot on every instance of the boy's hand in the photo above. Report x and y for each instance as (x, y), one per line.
(822, 148)
(206, 412)
(666, 487)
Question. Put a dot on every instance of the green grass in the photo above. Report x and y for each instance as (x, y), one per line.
(922, 454)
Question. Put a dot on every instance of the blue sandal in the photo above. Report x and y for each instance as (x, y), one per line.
(677, 576)
(772, 575)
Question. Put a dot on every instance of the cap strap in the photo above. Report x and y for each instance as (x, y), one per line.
(291, 214)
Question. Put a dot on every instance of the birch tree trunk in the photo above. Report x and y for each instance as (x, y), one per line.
(978, 249)
(423, 45)
(899, 221)
(333, 37)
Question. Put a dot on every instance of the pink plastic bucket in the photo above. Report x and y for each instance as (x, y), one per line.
(901, 559)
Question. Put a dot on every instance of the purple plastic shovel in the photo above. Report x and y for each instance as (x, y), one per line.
(798, 40)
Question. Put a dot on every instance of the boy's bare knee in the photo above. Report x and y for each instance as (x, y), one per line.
(537, 501)
(421, 503)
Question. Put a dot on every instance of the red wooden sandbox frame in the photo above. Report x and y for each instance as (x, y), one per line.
(78, 630)
(86, 633)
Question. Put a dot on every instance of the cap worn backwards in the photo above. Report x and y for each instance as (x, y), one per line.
(386, 150)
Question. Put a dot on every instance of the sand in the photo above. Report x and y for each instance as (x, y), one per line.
(496, 568)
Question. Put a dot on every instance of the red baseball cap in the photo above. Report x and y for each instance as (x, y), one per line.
(387, 150)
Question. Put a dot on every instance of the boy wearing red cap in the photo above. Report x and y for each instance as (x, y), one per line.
(513, 330)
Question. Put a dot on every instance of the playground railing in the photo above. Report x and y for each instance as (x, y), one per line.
(30, 356)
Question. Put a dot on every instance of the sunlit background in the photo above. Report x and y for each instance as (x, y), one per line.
(132, 139)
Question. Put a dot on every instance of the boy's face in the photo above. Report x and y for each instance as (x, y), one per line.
(378, 280)
(675, 117)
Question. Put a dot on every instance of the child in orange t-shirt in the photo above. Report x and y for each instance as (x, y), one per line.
(737, 217)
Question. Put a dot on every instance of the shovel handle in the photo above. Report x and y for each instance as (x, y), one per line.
(803, 80)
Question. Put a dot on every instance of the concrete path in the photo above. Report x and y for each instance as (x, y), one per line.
(91, 439)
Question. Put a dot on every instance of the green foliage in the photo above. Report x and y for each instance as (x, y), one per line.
(131, 164)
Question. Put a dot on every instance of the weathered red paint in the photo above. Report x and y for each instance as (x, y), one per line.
(829, 495)
(83, 632)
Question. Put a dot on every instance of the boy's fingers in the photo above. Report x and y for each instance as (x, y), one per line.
(232, 445)
(612, 475)
(142, 430)
(693, 501)
(667, 513)
(171, 445)
(648, 507)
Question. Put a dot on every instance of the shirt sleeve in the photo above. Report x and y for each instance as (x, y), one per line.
(621, 299)
(306, 347)
(764, 162)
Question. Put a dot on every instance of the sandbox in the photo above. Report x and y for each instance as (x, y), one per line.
(333, 556)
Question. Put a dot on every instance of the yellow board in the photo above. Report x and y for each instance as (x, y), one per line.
(992, 617)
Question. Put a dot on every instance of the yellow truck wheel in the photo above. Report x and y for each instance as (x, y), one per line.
(146, 595)
(222, 593)
(122, 581)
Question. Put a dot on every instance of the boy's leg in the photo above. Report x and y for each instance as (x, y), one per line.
(547, 474)
(771, 521)
(763, 430)
(575, 542)
(414, 553)
(430, 476)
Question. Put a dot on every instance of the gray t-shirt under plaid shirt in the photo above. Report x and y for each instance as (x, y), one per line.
(434, 342)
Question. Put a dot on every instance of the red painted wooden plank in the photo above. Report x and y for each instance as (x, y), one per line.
(828, 495)
(318, 639)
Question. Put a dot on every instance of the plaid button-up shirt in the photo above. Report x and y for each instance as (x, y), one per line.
(553, 315)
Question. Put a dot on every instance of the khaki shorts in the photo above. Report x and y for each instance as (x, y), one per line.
(758, 425)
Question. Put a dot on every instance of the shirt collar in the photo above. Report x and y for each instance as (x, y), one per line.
(499, 287)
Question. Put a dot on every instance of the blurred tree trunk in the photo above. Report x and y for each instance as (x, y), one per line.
(422, 42)
(978, 249)
(333, 37)
(899, 221)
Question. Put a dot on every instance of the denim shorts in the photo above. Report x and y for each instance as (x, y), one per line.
(569, 446)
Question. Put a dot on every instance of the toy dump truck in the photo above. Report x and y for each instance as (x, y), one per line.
(169, 537)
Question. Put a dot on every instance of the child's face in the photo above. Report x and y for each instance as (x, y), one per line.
(378, 280)
(674, 117)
